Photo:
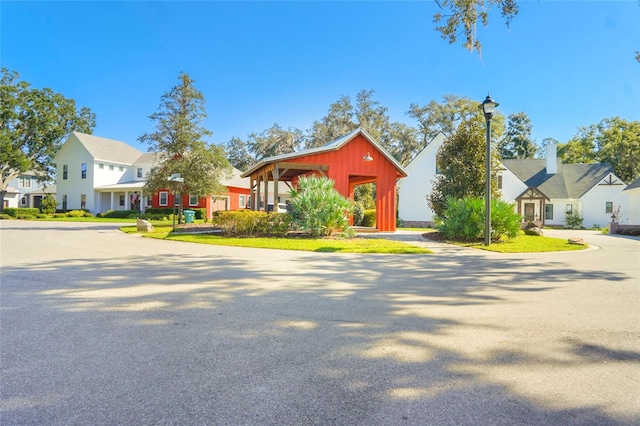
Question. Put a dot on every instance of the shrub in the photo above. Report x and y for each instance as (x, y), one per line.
(369, 218)
(15, 211)
(59, 215)
(318, 208)
(120, 214)
(43, 216)
(464, 219)
(5, 216)
(572, 220)
(26, 216)
(249, 222)
(48, 204)
(87, 214)
(505, 222)
(75, 213)
(358, 213)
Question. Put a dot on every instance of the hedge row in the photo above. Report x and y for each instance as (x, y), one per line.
(21, 211)
(250, 222)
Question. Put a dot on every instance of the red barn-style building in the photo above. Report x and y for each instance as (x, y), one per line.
(351, 160)
(236, 197)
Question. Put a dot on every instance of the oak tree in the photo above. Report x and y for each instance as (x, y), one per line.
(33, 126)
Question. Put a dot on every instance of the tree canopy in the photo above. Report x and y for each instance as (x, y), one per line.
(517, 141)
(33, 126)
(459, 18)
(461, 160)
(614, 140)
(179, 140)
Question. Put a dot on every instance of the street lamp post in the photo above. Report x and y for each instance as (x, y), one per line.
(488, 107)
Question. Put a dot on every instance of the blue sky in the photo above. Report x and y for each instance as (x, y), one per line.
(565, 63)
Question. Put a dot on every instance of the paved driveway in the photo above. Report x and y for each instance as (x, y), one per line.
(98, 327)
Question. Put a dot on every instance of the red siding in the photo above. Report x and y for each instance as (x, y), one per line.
(349, 161)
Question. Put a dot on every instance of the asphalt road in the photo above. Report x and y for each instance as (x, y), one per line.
(102, 328)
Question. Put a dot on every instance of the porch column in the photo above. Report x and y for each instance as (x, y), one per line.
(276, 176)
(111, 203)
(257, 200)
(127, 201)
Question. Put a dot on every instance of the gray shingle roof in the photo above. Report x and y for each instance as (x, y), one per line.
(108, 149)
(633, 185)
(570, 181)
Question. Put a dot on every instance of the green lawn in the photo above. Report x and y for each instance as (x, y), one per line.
(349, 245)
(526, 244)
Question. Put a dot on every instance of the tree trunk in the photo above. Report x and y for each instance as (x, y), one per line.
(2, 194)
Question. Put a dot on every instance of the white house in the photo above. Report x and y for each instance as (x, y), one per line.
(542, 189)
(27, 191)
(100, 174)
(414, 189)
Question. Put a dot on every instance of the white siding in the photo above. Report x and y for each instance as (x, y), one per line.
(73, 154)
(633, 212)
(414, 189)
(512, 187)
(594, 205)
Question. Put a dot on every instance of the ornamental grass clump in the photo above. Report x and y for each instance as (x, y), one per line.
(318, 208)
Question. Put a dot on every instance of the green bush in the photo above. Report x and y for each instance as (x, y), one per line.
(43, 216)
(5, 216)
(464, 219)
(59, 215)
(358, 213)
(369, 218)
(572, 220)
(119, 214)
(48, 204)
(505, 222)
(318, 209)
(18, 211)
(75, 213)
(26, 216)
(249, 222)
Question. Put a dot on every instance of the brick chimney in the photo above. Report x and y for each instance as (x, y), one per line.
(552, 158)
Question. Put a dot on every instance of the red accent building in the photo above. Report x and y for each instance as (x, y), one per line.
(354, 159)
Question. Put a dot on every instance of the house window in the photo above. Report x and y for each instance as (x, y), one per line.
(23, 201)
(139, 172)
(24, 182)
(548, 212)
(499, 181)
(110, 166)
(83, 201)
(101, 165)
(121, 168)
(609, 207)
(149, 200)
(83, 173)
(193, 200)
(243, 201)
(65, 171)
(438, 168)
(163, 197)
(121, 201)
(569, 208)
(64, 202)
